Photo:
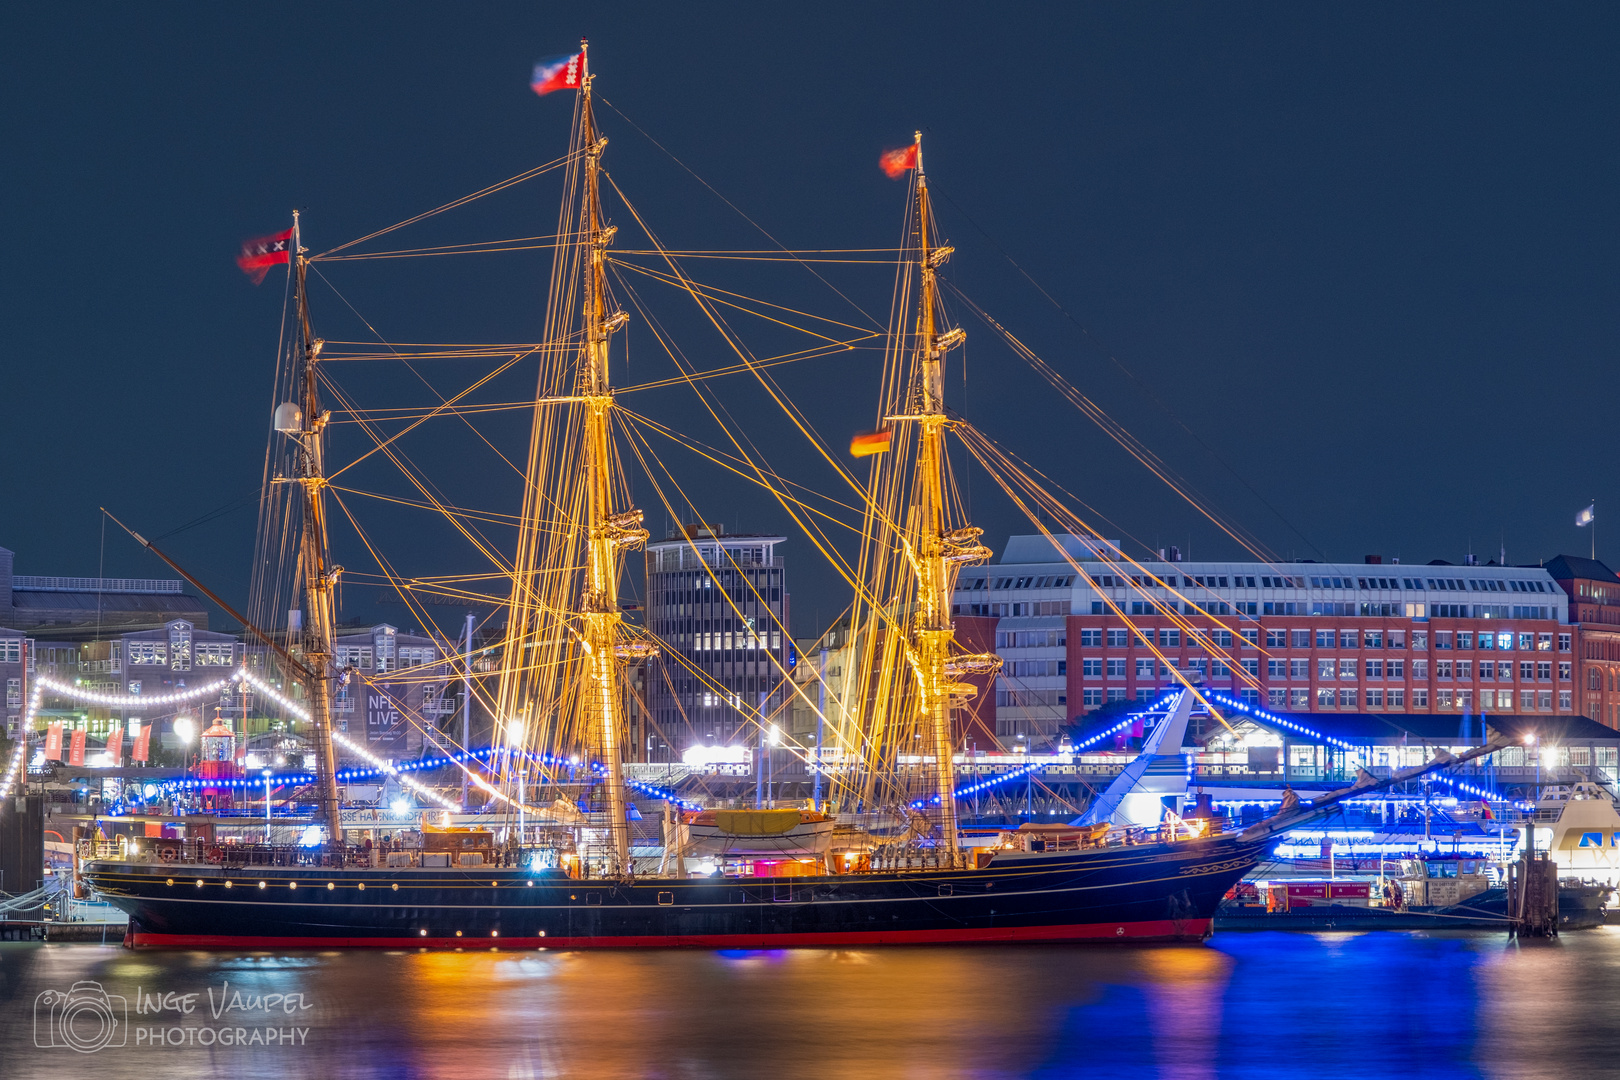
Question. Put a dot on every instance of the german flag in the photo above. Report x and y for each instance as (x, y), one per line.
(868, 443)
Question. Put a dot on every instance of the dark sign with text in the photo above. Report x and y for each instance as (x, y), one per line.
(385, 724)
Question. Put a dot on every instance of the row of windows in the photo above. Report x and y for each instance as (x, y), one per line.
(1037, 607)
(1241, 581)
(1023, 699)
(1049, 582)
(1031, 639)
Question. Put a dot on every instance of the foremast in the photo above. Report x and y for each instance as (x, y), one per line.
(937, 550)
(318, 573)
(609, 531)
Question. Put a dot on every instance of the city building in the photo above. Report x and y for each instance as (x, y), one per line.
(1594, 603)
(1304, 637)
(77, 608)
(398, 683)
(719, 604)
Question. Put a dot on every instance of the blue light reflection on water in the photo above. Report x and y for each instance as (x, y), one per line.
(1265, 1005)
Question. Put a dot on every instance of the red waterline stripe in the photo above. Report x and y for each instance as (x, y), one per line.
(1151, 930)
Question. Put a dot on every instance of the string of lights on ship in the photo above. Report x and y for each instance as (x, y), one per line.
(1163, 705)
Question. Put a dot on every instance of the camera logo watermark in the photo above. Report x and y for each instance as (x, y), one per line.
(84, 1018)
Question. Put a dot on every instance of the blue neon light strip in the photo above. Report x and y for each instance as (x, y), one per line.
(1273, 718)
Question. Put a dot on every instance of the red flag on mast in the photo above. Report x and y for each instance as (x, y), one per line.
(899, 161)
(258, 256)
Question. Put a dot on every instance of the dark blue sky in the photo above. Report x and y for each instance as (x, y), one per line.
(1366, 254)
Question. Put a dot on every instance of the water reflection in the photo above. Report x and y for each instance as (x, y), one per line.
(1249, 1005)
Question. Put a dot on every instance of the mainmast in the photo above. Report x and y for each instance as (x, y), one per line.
(608, 531)
(937, 550)
(319, 575)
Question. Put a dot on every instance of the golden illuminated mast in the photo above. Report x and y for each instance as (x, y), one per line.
(608, 532)
(936, 550)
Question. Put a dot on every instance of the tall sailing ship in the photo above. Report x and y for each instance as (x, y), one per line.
(547, 873)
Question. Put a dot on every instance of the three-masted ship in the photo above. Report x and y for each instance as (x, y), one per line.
(563, 661)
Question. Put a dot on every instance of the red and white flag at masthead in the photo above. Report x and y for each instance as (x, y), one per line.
(258, 256)
(896, 162)
(557, 73)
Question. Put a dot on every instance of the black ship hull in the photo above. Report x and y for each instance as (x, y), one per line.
(1145, 892)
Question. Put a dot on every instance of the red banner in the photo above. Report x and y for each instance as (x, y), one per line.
(76, 748)
(53, 743)
(115, 747)
(143, 740)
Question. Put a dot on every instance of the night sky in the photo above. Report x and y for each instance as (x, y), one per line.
(1351, 269)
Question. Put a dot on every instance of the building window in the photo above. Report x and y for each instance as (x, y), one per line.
(1348, 639)
(1565, 699)
(1563, 642)
(1091, 669)
(11, 651)
(1420, 698)
(1397, 699)
(1116, 668)
(1251, 638)
(1527, 700)
(1324, 639)
(1443, 699)
(1375, 669)
(1277, 698)
(1465, 639)
(1465, 670)
(1143, 693)
(1324, 698)
(1090, 639)
(1544, 702)
(1396, 668)
(1347, 669)
(1373, 639)
(1375, 699)
(1252, 667)
(14, 693)
(1563, 671)
(1144, 669)
(1117, 639)
(1544, 671)
(1347, 697)
(1299, 699)
(1219, 670)
(1091, 697)
(1116, 693)
(1277, 669)
(1420, 640)
(1169, 639)
(1325, 669)
(1442, 669)
(1249, 695)
(1299, 669)
(1276, 639)
(1301, 638)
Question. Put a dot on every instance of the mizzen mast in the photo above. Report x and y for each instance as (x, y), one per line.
(316, 569)
(937, 550)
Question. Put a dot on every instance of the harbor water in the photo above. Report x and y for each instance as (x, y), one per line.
(1260, 1005)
